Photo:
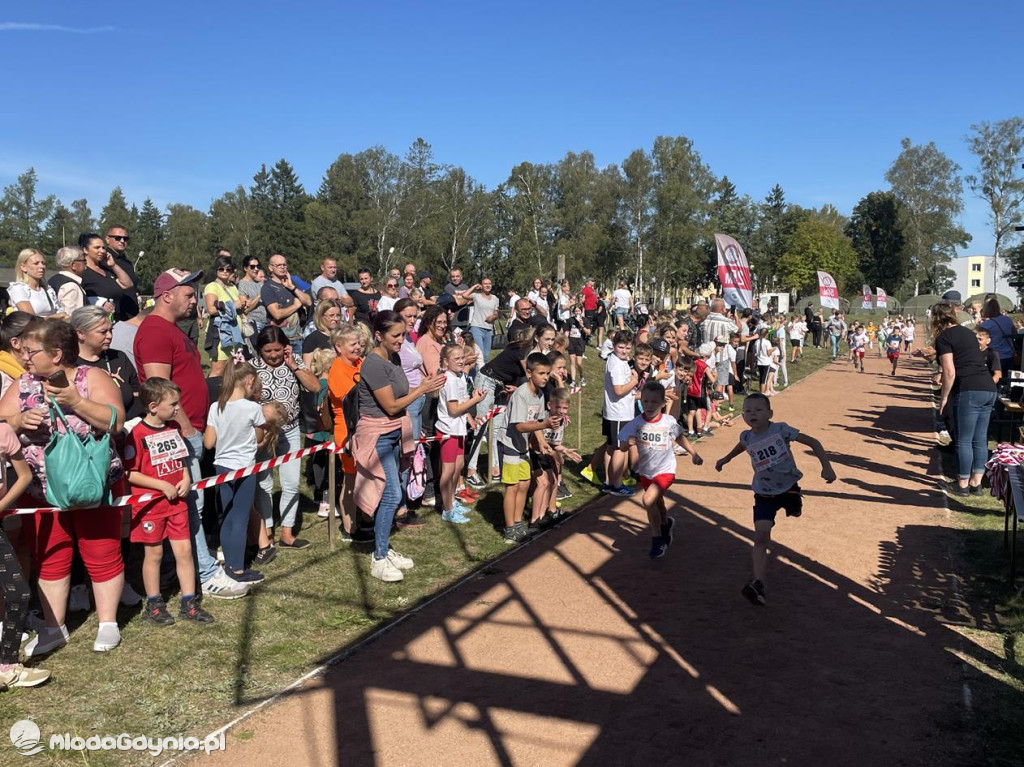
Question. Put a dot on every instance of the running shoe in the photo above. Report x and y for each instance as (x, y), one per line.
(20, 676)
(223, 586)
(408, 520)
(629, 482)
(385, 570)
(588, 474)
(563, 491)
(468, 496)
(265, 556)
(754, 591)
(658, 547)
(192, 610)
(399, 561)
(666, 531)
(476, 482)
(621, 491)
(107, 638)
(156, 612)
(515, 534)
(455, 516)
(46, 641)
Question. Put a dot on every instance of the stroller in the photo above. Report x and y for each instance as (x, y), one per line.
(639, 318)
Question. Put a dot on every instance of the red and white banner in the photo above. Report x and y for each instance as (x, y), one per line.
(828, 290)
(865, 297)
(734, 273)
(881, 299)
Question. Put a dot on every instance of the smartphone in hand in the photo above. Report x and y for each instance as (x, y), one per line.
(59, 380)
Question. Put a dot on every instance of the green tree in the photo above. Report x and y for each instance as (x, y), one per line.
(233, 223)
(116, 213)
(23, 215)
(186, 238)
(381, 178)
(927, 184)
(149, 238)
(81, 220)
(337, 220)
(419, 233)
(639, 184)
(998, 147)
(816, 245)
(526, 212)
(876, 233)
(464, 211)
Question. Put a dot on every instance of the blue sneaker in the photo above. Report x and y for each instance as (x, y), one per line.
(460, 508)
(622, 491)
(454, 516)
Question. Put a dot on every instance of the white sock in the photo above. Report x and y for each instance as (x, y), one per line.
(113, 624)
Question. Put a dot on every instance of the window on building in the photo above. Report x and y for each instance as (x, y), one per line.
(975, 283)
(975, 267)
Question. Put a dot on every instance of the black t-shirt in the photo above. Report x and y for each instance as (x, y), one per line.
(105, 286)
(314, 341)
(130, 302)
(533, 322)
(365, 304)
(992, 361)
(968, 361)
(120, 368)
(507, 367)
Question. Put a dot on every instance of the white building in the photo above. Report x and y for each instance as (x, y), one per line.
(974, 275)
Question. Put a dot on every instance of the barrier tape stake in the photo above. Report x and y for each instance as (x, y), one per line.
(332, 493)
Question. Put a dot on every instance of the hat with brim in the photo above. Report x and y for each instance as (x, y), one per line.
(174, 278)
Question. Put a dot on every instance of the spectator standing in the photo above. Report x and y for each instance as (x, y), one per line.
(284, 302)
(407, 285)
(365, 298)
(483, 315)
(162, 350)
(103, 280)
(29, 292)
(224, 305)
(717, 323)
(328, 277)
(390, 296)
(92, 325)
(566, 303)
(622, 304)
(589, 297)
(326, 319)
(116, 245)
(1001, 332)
(254, 318)
(67, 283)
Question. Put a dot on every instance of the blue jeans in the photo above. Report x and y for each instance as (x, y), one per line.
(289, 440)
(206, 566)
(236, 501)
(835, 345)
(973, 411)
(483, 338)
(389, 450)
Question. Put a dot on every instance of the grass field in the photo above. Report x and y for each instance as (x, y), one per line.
(192, 679)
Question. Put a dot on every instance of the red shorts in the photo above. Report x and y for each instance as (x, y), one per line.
(172, 528)
(452, 448)
(664, 481)
(893, 356)
(859, 353)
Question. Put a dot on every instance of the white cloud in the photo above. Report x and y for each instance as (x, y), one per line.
(18, 26)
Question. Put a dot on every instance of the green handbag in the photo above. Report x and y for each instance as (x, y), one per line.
(77, 467)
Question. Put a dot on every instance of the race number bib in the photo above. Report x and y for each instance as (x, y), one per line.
(768, 452)
(655, 439)
(166, 446)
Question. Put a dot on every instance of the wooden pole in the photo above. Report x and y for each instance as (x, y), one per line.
(579, 420)
(333, 493)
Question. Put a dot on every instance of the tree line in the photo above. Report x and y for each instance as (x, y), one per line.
(649, 220)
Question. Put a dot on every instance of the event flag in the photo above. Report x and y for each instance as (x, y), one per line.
(881, 299)
(734, 273)
(865, 296)
(828, 290)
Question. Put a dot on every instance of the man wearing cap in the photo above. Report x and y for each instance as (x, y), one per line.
(717, 324)
(162, 350)
(424, 285)
(116, 244)
(954, 297)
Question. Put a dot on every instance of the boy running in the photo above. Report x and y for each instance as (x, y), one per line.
(776, 478)
(653, 433)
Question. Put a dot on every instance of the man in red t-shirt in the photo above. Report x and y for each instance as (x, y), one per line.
(162, 350)
(589, 303)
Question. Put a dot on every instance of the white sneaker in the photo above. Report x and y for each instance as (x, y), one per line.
(129, 597)
(107, 638)
(46, 641)
(385, 570)
(220, 556)
(223, 587)
(79, 599)
(402, 563)
(325, 511)
(943, 438)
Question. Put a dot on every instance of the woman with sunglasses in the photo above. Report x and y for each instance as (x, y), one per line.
(250, 285)
(224, 305)
(104, 281)
(390, 298)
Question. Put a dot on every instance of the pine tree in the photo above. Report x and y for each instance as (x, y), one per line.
(116, 213)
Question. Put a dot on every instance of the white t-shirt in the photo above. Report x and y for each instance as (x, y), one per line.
(726, 358)
(797, 330)
(454, 390)
(908, 333)
(616, 373)
(563, 306)
(512, 301)
(764, 352)
(860, 340)
(236, 432)
(620, 299)
(386, 303)
(654, 443)
(43, 300)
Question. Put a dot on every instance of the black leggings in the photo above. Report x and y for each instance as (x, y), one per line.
(16, 597)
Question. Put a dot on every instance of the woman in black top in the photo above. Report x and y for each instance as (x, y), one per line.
(967, 388)
(326, 319)
(499, 378)
(92, 324)
(103, 281)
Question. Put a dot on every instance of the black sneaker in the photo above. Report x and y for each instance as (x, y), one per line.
(409, 520)
(345, 537)
(156, 612)
(563, 492)
(666, 531)
(953, 488)
(265, 556)
(976, 490)
(515, 534)
(192, 610)
(658, 547)
(246, 576)
(476, 482)
(754, 591)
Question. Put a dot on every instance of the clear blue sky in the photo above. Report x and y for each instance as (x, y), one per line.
(183, 101)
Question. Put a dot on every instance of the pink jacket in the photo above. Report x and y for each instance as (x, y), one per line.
(370, 479)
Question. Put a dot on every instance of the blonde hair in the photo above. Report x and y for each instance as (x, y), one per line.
(321, 310)
(343, 331)
(23, 258)
(321, 362)
(276, 415)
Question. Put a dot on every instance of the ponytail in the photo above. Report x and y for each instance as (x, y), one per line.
(234, 374)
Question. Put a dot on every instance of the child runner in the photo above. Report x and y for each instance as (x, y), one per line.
(653, 434)
(16, 590)
(858, 345)
(526, 417)
(234, 429)
(453, 417)
(775, 478)
(892, 347)
(153, 461)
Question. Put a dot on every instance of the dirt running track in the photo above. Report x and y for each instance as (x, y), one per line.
(577, 649)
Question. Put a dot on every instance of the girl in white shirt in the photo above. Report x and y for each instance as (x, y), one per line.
(453, 417)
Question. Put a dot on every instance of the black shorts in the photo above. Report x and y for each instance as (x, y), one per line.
(611, 429)
(766, 506)
(540, 462)
(693, 404)
(796, 342)
(577, 347)
(762, 373)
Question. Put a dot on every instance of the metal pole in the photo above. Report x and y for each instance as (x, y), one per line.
(333, 493)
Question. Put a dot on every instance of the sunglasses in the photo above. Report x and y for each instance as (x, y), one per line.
(119, 238)
(391, 285)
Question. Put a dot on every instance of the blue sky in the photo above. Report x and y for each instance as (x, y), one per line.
(183, 101)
